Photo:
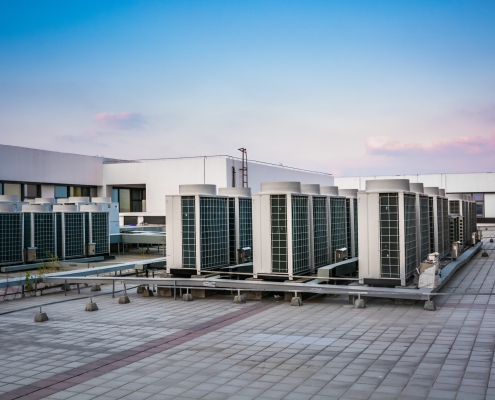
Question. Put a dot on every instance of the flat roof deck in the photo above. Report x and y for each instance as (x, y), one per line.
(158, 348)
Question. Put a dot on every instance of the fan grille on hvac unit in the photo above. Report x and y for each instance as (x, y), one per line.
(11, 240)
(214, 232)
(246, 223)
(279, 233)
(338, 236)
(188, 232)
(320, 222)
(300, 234)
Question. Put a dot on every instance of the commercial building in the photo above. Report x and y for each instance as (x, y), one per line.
(139, 186)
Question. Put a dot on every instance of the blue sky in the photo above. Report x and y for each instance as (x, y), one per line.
(348, 87)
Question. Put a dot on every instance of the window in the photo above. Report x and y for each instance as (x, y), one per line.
(125, 200)
(1, 188)
(479, 210)
(32, 191)
(130, 199)
(479, 196)
(13, 189)
(61, 192)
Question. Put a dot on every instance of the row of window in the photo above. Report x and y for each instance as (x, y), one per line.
(130, 200)
(31, 191)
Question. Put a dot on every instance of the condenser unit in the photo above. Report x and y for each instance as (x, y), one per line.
(461, 206)
(240, 222)
(337, 213)
(387, 233)
(351, 210)
(97, 229)
(281, 230)
(197, 229)
(11, 235)
(70, 231)
(438, 222)
(40, 236)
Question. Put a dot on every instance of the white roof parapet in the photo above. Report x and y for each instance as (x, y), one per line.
(330, 190)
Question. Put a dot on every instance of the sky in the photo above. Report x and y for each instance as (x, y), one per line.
(344, 87)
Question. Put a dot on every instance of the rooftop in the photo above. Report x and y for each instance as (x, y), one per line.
(158, 348)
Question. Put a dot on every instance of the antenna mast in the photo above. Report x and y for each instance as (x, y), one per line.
(244, 168)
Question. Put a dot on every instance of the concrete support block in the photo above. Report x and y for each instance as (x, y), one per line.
(296, 301)
(353, 298)
(148, 293)
(124, 300)
(240, 299)
(484, 254)
(41, 317)
(255, 295)
(202, 293)
(140, 289)
(491, 240)
(91, 307)
(165, 292)
(430, 306)
(96, 288)
(359, 303)
(187, 297)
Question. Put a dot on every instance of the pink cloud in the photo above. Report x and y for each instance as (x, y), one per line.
(121, 121)
(463, 145)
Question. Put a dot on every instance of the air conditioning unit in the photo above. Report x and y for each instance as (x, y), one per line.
(197, 229)
(388, 254)
(40, 230)
(11, 234)
(70, 231)
(97, 227)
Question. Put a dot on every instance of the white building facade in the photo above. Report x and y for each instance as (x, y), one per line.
(139, 187)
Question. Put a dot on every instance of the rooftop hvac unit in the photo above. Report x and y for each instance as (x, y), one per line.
(281, 230)
(422, 221)
(438, 222)
(11, 235)
(240, 223)
(40, 239)
(197, 229)
(113, 211)
(338, 232)
(351, 210)
(97, 229)
(460, 206)
(387, 233)
(70, 232)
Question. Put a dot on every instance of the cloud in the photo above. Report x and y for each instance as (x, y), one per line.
(121, 121)
(460, 146)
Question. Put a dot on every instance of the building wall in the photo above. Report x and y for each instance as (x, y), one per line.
(163, 177)
(20, 164)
